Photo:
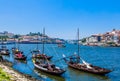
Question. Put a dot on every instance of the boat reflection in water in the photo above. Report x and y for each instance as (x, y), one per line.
(49, 76)
(84, 76)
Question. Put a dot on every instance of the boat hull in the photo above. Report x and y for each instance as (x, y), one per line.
(47, 71)
(20, 58)
(5, 53)
(42, 57)
(100, 71)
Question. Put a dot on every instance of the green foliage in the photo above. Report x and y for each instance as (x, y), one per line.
(83, 40)
(3, 38)
(16, 36)
(110, 43)
(4, 76)
(33, 34)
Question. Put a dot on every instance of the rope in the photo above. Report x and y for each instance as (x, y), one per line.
(47, 49)
(57, 55)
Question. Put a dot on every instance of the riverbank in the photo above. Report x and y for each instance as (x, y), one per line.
(14, 75)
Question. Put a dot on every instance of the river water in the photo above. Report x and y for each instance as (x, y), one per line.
(107, 57)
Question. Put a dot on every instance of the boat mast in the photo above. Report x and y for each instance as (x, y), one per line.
(43, 39)
(37, 41)
(18, 43)
(44, 46)
(1, 41)
(14, 42)
(78, 41)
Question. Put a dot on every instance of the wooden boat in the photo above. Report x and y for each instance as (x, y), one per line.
(48, 68)
(74, 62)
(37, 54)
(88, 68)
(45, 66)
(19, 56)
(4, 50)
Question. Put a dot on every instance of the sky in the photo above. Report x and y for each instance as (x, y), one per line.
(60, 18)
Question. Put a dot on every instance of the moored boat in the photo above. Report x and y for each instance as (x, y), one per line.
(76, 62)
(4, 50)
(37, 54)
(19, 56)
(45, 66)
(86, 67)
(49, 68)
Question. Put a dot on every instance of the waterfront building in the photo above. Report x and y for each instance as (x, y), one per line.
(93, 39)
(112, 37)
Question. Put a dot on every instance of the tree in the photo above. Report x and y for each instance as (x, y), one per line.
(4, 38)
(83, 40)
(16, 36)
